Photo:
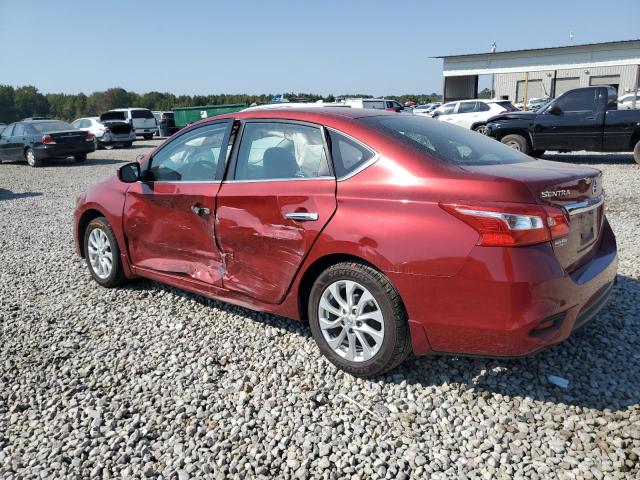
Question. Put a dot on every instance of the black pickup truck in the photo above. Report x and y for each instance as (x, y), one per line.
(581, 119)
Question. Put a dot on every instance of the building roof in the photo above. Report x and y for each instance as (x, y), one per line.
(543, 49)
(588, 55)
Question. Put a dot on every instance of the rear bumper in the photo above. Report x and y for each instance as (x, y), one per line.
(63, 150)
(507, 301)
(146, 131)
(109, 137)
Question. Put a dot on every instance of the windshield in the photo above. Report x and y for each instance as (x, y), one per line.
(449, 143)
(54, 126)
(141, 114)
(508, 106)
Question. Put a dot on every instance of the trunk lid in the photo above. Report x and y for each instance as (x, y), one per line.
(117, 127)
(68, 136)
(575, 188)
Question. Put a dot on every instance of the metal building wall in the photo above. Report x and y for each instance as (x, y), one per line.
(506, 84)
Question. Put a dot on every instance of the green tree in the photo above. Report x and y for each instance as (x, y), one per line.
(30, 103)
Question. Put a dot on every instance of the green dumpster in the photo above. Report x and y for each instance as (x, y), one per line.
(186, 115)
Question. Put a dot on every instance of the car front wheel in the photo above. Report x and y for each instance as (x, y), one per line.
(481, 129)
(358, 320)
(636, 152)
(517, 142)
(102, 253)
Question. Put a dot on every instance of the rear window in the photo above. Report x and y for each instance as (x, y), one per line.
(141, 114)
(113, 116)
(448, 143)
(54, 126)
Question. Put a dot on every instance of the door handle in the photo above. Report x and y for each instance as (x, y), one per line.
(302, 216)
(200, 211)
(590, 118)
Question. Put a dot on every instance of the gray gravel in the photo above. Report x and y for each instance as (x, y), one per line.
(148, 381)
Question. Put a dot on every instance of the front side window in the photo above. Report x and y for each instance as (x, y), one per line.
(274, 150)
(76, 123)
(577, 101)
(446, 109)
(193, 156)
(347, 154)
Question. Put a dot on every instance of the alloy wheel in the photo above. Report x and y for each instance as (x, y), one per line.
(31, 158)
(514, 145)
(351, 320)
(100, 253)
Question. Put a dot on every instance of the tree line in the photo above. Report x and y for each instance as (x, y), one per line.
(26, 101)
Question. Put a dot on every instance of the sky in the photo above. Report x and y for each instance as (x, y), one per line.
(251, 46)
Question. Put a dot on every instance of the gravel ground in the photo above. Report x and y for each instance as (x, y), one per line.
(149, 381)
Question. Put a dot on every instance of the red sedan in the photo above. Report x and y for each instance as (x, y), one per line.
(388, 233)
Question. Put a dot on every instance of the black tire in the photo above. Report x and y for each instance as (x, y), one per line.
(537, 153)
(116, 276)
(31, 158)
(480, 129)
(148, 136)
(80, 158)
(636, 152)
(396, 344)
(517, 142)
(127, 144)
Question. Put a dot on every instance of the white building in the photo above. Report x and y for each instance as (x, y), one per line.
(544, 71)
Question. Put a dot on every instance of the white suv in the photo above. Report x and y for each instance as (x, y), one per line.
(142, 119)
(108, 132)
(472, 114)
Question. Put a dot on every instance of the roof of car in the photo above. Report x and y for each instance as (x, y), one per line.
(127, 109)
(321, 111)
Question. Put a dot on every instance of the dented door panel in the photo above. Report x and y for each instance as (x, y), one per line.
(166, 232)
(263, 249)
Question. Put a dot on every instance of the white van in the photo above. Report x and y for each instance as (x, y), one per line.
(142, 119)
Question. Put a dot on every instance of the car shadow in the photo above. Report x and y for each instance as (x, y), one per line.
(591, 158)
(595, 359)
(9, 195)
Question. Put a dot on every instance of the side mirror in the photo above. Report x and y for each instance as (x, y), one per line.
(129, 173)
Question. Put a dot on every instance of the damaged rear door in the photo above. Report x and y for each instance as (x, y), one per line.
(278, 196)
(169, 217)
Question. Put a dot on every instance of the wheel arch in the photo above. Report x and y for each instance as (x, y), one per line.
(635, 138)
(314, 270)
(86, 217)
(516, 131)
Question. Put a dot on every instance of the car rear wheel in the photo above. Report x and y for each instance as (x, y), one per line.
(358, 320)
(517, 142)
(102, 253)
(636, 152)
(80, 158)
(127, 144)
(31, 159)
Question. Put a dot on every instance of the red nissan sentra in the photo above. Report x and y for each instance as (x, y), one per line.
(390, 233)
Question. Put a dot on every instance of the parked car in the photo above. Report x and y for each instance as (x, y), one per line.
(107, 132)
(426, 109)
(389, 233)
(166, 123)
(34, 141)
(472, 114)
(534, 104)
(375, 103)
(142, 119)
(625, 102)
(580, 119)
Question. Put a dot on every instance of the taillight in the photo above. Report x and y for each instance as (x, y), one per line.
(89, 137)
(48, 139)
(510, 224)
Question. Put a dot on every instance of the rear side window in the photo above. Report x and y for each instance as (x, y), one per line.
(467, 107)
(348, 155)
(19, 130)
(275, 150)
(141, 114)
(482, 107)
(379, 105)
